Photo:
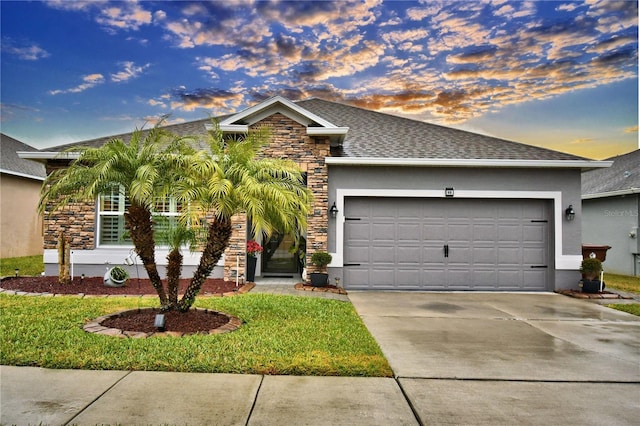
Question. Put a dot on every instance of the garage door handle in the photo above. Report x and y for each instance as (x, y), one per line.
(446, 250)
(351, 264)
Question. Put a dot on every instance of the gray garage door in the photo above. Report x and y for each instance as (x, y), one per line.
(446, 244)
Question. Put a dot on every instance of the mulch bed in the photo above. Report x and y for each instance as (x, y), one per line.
(95, 286)
(139, 323)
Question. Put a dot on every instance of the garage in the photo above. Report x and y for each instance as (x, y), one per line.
(446, 244)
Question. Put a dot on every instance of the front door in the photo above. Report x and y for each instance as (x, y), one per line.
(277, 258)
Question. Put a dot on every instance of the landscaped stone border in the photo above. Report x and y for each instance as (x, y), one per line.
(96, 326)
(332, 289)
(580, 295)
(241, 290)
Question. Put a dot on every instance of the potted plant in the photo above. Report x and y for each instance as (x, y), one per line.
(116, 277)
(320, 259)
(253, 248)
(591, 269)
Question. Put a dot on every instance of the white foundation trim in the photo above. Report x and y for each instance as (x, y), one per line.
(117, 256)
(562, 261)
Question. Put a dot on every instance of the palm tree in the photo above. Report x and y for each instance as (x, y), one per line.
(141, 169)
(214, 185)
(230, 179)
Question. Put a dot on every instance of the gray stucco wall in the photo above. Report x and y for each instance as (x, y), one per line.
(609, 221)
(566, 181)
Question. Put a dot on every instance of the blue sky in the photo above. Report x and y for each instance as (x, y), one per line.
(558, 74)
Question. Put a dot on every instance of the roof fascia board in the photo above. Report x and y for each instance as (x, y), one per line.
(232, 128)
(628, 191)
(22, 175)
(324, 131)
(48, 155)
(454, 162)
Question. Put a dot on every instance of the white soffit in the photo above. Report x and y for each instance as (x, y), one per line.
(458, 162)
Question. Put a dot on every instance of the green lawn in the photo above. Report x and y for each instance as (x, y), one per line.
(281, 335)
(29, 265)
(624, 283)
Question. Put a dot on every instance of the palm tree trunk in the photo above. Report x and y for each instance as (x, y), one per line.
(217, 242)
(174, 267)
(138, 222)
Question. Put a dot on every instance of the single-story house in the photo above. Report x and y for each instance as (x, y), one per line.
(400, 204)
(610, 205)
(20, 183)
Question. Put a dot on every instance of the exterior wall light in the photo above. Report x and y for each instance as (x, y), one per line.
(570, 213)
(333, 210)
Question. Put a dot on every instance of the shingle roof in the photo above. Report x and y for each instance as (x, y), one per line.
(377, 135)
(182, 129)
(12, 164)
(623, 175)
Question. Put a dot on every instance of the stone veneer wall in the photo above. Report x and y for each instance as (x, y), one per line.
(77, 220)
(289, 140)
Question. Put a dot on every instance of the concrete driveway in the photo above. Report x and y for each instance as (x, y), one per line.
(496, 358)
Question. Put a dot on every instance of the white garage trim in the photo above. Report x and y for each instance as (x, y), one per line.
(562, 261)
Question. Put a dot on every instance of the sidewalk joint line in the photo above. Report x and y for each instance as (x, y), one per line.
(255, 400)
(98, 397)
(406, 397)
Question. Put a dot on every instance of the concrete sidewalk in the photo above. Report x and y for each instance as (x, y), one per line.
(79, 397)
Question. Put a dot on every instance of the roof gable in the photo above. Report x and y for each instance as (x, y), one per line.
(11, 164)
(316, 125)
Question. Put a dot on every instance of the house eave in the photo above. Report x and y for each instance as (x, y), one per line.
(460, 162)
(43, 156)
(620, 192)
(22, 175)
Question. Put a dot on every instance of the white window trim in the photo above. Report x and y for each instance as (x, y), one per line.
(562, 261)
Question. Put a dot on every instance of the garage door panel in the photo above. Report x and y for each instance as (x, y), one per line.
(534, 256)
(357, 231)
(484, 255)
(534, 233)
(509, 256)
(357, 254)
(383, 231)
(409, 232)
(460, 278)
(459, 232)
(409, 278)
(382, 254)
(485, 278)
(459, 255)
(383, 277)
(509, 233)
(399, 244)
(484, 233)
(409, 255)
(533, 277)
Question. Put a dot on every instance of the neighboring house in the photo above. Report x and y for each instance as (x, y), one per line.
(610, 204)
(20, 183)
(417, 206)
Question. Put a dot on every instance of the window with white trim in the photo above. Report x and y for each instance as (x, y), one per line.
(111, 209)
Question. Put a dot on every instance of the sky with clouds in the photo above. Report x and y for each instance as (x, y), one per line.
(558, 74)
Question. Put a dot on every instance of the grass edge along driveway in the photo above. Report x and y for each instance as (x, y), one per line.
(290, 335)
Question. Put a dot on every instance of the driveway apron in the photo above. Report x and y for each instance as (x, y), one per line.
(503, 358)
